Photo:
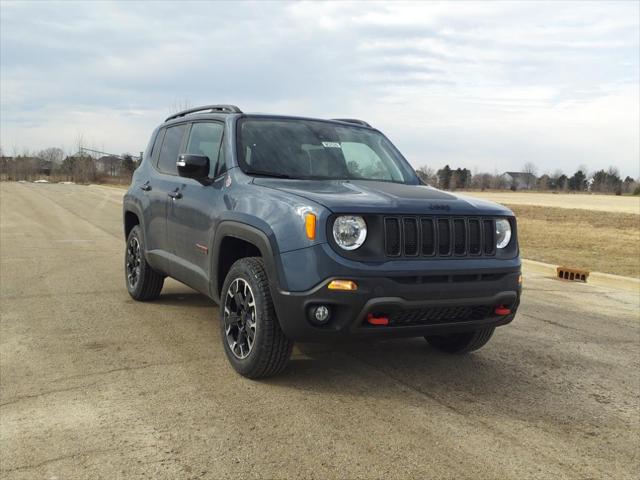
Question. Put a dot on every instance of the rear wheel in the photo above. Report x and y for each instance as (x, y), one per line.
(253, 341)
(143, 282)
(463, 342)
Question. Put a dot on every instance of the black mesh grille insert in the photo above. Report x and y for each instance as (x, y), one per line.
(435, 315)
(392, 236)
(410, 236)
(475, 247)
(444, 236)
(489, 237)
(459, 236)
(428, 236)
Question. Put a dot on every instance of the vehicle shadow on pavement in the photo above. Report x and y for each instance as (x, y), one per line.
(396, 368)
(408, 361)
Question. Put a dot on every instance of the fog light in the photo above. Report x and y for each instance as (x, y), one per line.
(320, 314)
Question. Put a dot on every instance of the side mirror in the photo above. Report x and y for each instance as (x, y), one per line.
(193, 166)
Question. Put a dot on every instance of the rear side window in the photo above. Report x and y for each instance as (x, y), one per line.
(153, 153)
(205, 139)
(170, 149)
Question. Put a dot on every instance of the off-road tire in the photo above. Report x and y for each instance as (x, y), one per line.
(149, 282)
(459, 343)
(271, 349)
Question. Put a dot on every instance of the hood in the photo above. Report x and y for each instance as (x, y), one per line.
(357, 196)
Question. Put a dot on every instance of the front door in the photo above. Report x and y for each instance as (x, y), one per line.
(194, 211)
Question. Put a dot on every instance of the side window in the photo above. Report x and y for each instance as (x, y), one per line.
(170, 149)
(153, 152)
(205, 139)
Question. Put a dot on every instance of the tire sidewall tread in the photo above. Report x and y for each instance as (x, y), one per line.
(272, 349)
(150, 282)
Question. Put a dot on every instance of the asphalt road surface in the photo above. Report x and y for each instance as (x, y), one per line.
(95, 385)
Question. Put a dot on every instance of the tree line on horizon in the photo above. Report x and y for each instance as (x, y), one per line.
(601, 181)
(80, 167)
(83, 167)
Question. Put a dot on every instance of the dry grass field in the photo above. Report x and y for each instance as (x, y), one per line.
(585, 201)
(598, 241)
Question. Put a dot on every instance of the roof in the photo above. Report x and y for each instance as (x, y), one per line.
(519, 174)
(226, 111)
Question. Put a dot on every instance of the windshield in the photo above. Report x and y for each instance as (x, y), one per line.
(308, 149)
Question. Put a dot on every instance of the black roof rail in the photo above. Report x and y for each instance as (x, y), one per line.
(210, 108)
(352, 120)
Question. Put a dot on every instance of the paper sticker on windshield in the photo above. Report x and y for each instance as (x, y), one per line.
(331, 145)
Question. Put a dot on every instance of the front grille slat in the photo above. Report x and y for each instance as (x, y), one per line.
(436, 236)
(444, 237)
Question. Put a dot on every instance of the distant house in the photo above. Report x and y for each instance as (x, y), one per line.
(44, 166)
(519, 180)
(109, 165)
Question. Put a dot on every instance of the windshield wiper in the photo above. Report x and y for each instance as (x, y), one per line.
(268, 174)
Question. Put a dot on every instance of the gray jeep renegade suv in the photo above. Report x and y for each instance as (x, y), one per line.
(313, 230)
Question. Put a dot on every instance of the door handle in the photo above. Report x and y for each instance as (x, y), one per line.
(145, 186)
(175, 195)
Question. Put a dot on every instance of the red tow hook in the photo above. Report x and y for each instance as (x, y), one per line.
(374, 320)
(502, 310)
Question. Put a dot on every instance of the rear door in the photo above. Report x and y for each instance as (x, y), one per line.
(193, 215)
(163, 181)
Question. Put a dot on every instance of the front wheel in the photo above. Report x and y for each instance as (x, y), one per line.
(463, 342)
(253, 341)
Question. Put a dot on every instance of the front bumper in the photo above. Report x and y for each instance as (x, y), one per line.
(417, 304)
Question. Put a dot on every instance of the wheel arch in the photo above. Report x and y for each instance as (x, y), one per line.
(131, 216)
(131, 219)
(235, 240)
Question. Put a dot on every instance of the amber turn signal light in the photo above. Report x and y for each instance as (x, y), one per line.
(310, 225)
(342, 285)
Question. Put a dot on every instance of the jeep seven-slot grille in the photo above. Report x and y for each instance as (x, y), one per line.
(439, 236)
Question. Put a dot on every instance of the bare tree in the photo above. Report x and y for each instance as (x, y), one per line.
(427, 175)
(481, 181)
(530, 170)
(52, 154)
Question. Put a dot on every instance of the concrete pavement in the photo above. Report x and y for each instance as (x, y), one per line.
(95, 385)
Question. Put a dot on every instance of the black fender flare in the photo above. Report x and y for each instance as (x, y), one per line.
(131, 206)
(266, 244)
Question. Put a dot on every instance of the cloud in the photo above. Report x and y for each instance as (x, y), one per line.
(487, 85)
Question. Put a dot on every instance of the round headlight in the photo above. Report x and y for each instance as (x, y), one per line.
(349, 231)
(503, 233)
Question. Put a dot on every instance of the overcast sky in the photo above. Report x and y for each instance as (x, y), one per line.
(477, 85)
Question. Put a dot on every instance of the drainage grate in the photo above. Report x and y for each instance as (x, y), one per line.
(575, 274)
